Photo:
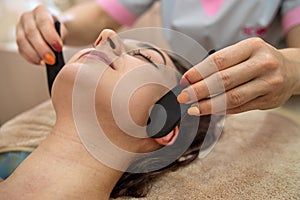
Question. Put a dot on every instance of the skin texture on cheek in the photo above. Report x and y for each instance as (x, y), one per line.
(107, 120)
(62, 91)
(142, 101)
(119, 137)
(138, 107)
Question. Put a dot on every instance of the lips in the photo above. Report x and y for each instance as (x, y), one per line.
(100, 56)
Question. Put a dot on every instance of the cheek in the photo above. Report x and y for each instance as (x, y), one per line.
(103, 98)
(62, 90)
(105, 88)
(142, 100)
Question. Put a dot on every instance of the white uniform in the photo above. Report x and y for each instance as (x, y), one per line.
(215, 23)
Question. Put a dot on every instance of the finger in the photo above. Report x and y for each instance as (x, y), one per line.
(199, 71)
(255, 104)
(202, 89)
(220, 82)
(25, 48)
(45, 25)
(35, 39)
(220, 60)
(233, 99)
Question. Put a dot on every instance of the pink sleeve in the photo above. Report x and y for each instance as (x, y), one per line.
(118, 11)
(291, 19)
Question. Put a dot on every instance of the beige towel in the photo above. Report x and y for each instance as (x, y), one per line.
(29, 128)
(257, 157)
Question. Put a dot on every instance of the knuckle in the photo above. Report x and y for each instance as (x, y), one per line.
(256, 42)
(234, 99)
(226, 79)
(277, 82)
(38, 8)
(42, 20)
(25, 16)
(29, 32)
(197, 91)
(270, 61)
(219, 60)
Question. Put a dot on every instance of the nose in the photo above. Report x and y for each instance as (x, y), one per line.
(109, 38)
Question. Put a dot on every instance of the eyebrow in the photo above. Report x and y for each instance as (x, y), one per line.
(150, 47)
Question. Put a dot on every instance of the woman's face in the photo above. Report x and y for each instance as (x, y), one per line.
(130, 77)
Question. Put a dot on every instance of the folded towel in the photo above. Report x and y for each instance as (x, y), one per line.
(257, 157)
(29, 128)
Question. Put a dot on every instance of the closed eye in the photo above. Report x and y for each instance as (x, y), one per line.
(137, 52)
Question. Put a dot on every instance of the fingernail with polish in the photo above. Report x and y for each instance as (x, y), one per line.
(49, 59)
(194, 110)
(184, 82)
(57, 47)
(183, 97)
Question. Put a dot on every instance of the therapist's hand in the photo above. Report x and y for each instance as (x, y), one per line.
(248, 75)
(35, 31)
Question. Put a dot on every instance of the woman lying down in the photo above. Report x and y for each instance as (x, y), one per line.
(112, 156)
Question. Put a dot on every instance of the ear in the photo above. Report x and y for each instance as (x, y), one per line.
(168, 139)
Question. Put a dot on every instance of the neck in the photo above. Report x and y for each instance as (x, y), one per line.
(60, 168)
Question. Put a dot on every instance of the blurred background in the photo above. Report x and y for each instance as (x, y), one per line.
(22, 85)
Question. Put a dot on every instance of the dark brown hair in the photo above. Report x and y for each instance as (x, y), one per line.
(139, 184)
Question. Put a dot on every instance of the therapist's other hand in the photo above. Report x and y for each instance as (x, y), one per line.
(246, 76)
(35, 31)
